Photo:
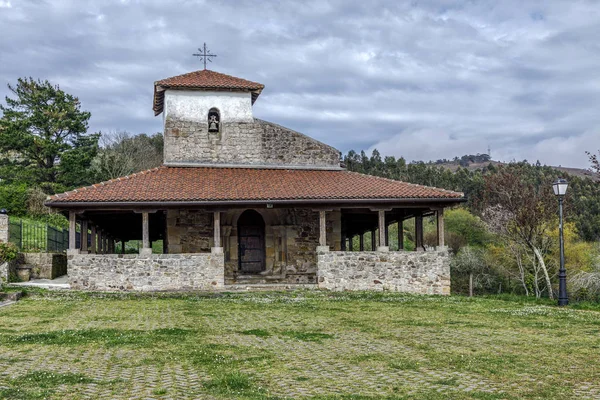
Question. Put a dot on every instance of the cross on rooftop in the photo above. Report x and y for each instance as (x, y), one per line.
(204, 53)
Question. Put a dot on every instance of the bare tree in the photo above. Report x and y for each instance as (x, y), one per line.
(123, 154)
(595, 162)
(471, 261)
(522, 212)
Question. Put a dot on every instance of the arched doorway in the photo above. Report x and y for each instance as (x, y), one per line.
(251, 236)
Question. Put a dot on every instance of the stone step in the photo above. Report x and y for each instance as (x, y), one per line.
(269, 286)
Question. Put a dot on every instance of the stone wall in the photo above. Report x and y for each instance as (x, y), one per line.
(243, 143)
(291, 240)
(413, 272)
(46, 265)
(189, 231)
(156, 272)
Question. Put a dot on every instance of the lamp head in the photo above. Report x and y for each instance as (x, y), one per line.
(560, 187)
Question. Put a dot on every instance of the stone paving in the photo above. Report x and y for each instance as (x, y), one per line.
(352, 362)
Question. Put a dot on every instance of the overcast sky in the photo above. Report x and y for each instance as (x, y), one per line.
(419, 79)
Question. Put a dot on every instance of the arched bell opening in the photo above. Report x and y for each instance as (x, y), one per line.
(214, 120)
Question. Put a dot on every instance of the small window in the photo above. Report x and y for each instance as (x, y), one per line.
(214, 120)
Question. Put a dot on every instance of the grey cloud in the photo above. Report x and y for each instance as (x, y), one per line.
(423, 79)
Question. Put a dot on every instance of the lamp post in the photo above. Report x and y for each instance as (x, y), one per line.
(560, 189)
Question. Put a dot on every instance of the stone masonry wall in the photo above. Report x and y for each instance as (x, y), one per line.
(291, 239)
(157, 272)
(190, 231)
(244, 143)
(46, 265)
(413, 272)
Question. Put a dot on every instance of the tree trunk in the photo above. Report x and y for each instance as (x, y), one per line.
(542, 264)
(471, 284)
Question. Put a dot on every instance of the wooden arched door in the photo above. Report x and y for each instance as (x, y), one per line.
(251, 239)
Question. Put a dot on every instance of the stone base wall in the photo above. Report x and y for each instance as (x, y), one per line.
(412, 272)
(156, 272)
(46, 265)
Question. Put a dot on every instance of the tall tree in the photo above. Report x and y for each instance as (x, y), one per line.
(43, 129)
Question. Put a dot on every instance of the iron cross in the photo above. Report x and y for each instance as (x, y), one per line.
(204, 54)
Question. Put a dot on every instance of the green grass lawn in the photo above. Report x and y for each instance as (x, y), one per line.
(296, 345)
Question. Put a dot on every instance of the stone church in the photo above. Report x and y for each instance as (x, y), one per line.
(242, 201)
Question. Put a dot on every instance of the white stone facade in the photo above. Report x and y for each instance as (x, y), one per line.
(193, 105)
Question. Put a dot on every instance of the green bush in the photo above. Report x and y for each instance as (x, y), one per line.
(8, 252)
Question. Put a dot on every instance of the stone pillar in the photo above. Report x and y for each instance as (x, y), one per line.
(351, 243)
(322, 232)
(84, 236)
(217, 249)
(400, 235)
(361, 241)
(105, 244)
(3, 227)
(72, 234)
(440, 227)
(93, 247)
(382, 231)
(419, 233)
(122, 246)
(146, 249)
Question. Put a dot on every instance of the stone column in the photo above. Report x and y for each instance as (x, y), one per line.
(72, 234)
(3, 226)
(146, 250)
(440, 227)
(122, 246)
(105, 244)
(84, 236)
(419, 233)
(400, 235)
(382, 231)
(93, 247)
(351, 243)
(217, 249)
(322, 232)
(361, 241)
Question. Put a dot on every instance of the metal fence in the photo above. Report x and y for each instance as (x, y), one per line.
(31, 236)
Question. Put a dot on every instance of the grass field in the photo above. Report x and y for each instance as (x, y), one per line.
(296, 345)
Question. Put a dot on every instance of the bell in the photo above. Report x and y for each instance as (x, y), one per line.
(213, 126)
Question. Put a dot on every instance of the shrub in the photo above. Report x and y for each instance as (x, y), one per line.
(8, 252)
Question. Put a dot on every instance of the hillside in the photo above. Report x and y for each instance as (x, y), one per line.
(480, 161)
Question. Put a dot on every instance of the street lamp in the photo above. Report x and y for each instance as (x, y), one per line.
(560, 189)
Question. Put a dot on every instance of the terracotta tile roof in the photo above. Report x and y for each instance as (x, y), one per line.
(211, 184)
(203, 80)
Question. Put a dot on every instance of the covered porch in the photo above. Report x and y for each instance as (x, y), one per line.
(271, 244)
(198, 228)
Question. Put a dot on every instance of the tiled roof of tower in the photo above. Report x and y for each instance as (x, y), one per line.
(203, 80)
(229, 185)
